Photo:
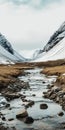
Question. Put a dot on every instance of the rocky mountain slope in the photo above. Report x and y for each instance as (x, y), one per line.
(55, 38)
(55, 48)
(7, 53)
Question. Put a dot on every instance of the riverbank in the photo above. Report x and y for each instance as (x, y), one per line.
(56, 91)
(9, 73)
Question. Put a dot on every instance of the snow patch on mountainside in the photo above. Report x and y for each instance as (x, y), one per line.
(57, 52)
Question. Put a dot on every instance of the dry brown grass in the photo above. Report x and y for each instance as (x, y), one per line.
(50, 63)
(57, 70)
(9, 73)
(61, 79)
(13, 70)
(41, 64)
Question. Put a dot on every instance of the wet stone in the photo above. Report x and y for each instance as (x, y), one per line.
(24, 100)
(7, 105)
(10, 108)
(43, 82)
(1, 114)
(63, 107)
(33, 95)
(64, 98)
(61, 94)
(11, 119)
(45, 95)
(30, 104)
(43, 106)
(60, 114)
(50, 86)
(3, 118)
(11, 96)
(23, 113)
(23, 96)
(61, 101)
(57, 99)
(53, 96)
(29, 120)
(4, 103)
(57, 89)
(44, 92)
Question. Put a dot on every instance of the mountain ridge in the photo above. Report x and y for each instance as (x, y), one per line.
(7, 53)
(55, 39)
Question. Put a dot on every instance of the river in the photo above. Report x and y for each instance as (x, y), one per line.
(47, 119)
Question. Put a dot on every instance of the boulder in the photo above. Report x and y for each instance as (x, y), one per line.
(22, 114)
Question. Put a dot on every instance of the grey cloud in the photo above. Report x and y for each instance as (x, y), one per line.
(17, 2)
(33, 3)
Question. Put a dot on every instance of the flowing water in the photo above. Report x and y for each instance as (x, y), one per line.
(47, 119)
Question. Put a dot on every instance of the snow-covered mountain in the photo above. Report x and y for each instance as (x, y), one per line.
(55, 38)
(7, 53)
(54, 49)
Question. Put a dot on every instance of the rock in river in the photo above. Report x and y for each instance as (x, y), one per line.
(29, 120)
(60, 113)
(22, 114)
(43, 106)
(30, 104)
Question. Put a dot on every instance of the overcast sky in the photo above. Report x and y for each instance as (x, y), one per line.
(28, 24)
